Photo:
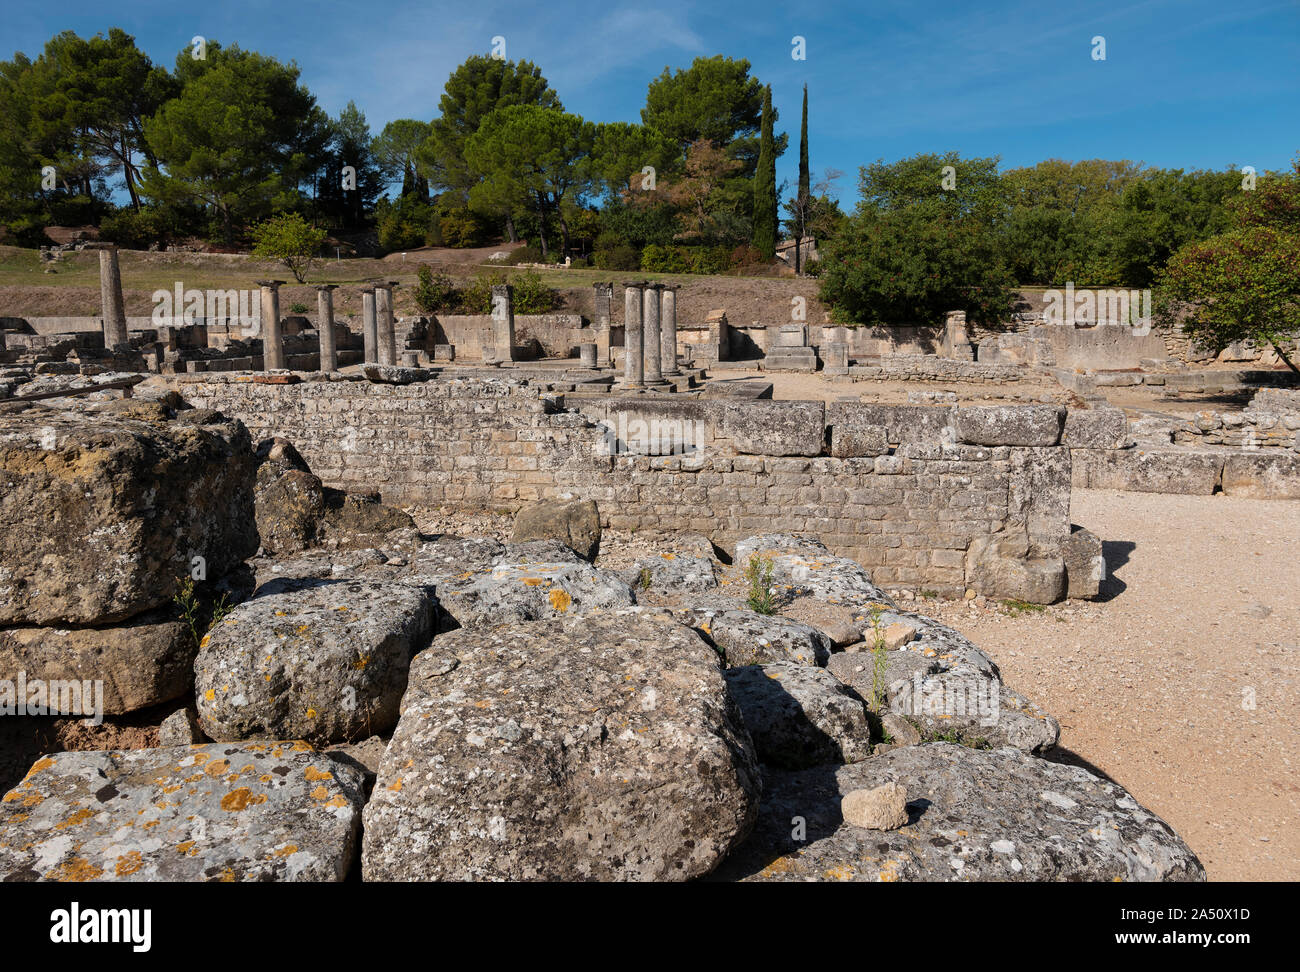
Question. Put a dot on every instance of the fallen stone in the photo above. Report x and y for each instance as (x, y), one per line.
(255, 812)
(881, 808)
(750, 638)
(998, 567)
(576, 524)
(181, 728)
(1085, 566)
(142, 662)
(1096, 428)
(603, 748)
(972, 816)
(321, 660)
(101, 514)
(800, 716)
(510, 593)
(671, 574)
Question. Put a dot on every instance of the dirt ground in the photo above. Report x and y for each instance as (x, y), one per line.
(1184, 685)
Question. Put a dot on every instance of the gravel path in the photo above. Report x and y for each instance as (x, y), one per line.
(1152, 686)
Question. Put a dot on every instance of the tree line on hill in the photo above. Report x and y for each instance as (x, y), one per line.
(230, 146)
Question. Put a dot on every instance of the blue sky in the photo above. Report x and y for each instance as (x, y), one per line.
(1185, 83)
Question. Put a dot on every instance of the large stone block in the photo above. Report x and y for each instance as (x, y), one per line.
(313, 659)
(141, 662)
(575, 523)
(972, 816)
(604, 748)
(1096, 428)
(1148, 471)
(1002, 567)
(1262, 476)
(103, 508)
(256, 812)
(775, 428)
(1013, 425)
(902, 423)
(1085, 567)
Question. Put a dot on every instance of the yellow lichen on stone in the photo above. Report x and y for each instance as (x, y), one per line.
(560, 599)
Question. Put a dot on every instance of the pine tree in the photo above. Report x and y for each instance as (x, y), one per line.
(765, 215)
(804, 186)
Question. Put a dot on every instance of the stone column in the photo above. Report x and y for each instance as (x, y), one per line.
(654, 374)
(668, 331)
(633, 363)
(272, 337)
(329, 359)
(587, 354)
(110, 295)
(603, 319)
(369, 330)
(384, 328)
(503, 321)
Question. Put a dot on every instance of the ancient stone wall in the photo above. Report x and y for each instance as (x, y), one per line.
(907, 508)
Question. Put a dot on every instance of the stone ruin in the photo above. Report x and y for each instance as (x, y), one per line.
(375, 701)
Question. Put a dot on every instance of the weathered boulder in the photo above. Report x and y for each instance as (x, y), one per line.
(972, 816)
(803, 567)
(881, 808)
(289, 499)
(602, 748)
(143, 661)
(800, 716)
(1010, 425)
(508, 593)
(948, 689)
(669, 573)
(1262, 476)
(181, 728)
(750, 638)
(100, 514)
(255, 812)
(1085, 566)
(359, 519)
(320, 660)
(575, 523)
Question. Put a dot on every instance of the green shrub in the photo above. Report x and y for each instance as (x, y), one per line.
(461, 228)
(135, 231)
(531, 294)
(761, 597)
(617, 257)
(290, 239)
(405, 224)
(298, 308)
(664, 259)
(525, 254)
(435, 291)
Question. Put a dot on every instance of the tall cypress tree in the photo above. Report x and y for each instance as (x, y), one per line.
(765, 214)
(804, 184)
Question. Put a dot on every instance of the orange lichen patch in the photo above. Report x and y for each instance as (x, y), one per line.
(311, 713)
(341, 607)
(782, 865)
(843, 873)
(303, 628)
(204, 642)
(75, 869)
(483, 704)
(889, 872)
(80, 817)
(29, 799)
(338, 801)
(397, 786)
(210, 695)
(285, 851)
(151, 823)
(217, 767)
(129, 864)
(281, 614)
(172, 789)
(41, 764)
(228, 876)
(186, 847)
(320, 793)
(669, 556)
(533, 581)
(361, 663)
(237, 800)
(560, 599)
(264, 778)
(315, 776)
(302, 747)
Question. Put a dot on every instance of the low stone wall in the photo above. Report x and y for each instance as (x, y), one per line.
(911, 511)
(1257, 474)
(558, 334)
(929, 367)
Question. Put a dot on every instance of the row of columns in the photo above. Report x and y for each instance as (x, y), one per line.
(650, 334)
(379, 337)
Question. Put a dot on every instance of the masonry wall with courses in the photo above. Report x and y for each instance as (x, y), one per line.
(908, 515)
